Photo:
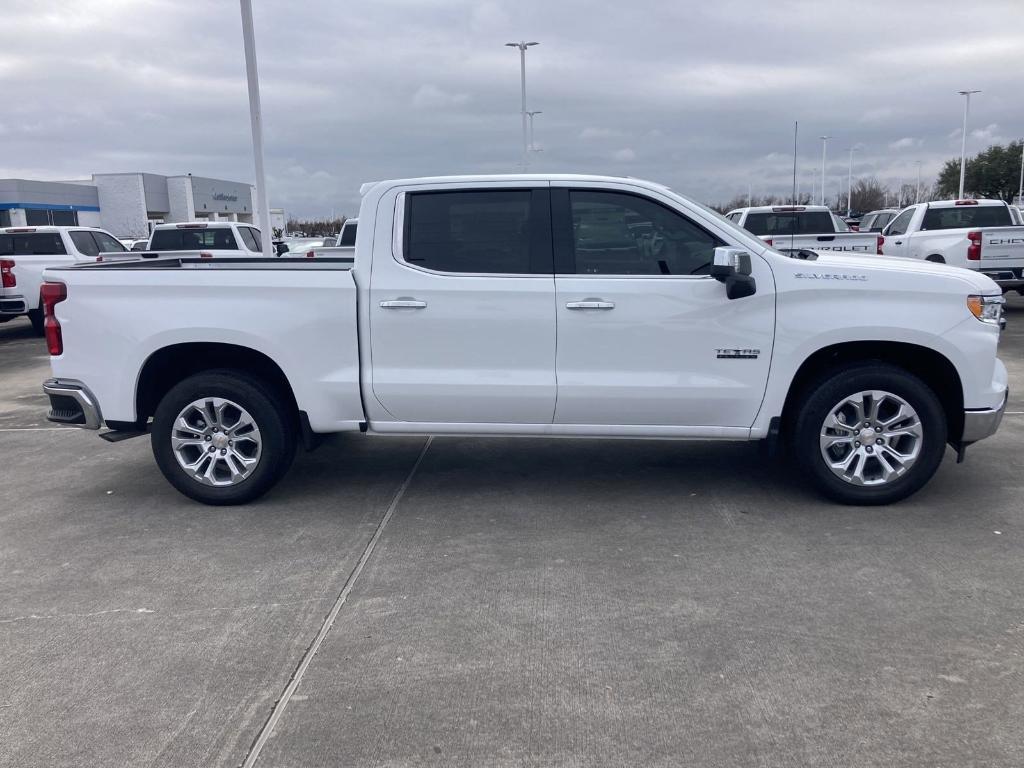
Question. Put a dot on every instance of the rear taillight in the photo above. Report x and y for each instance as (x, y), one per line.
(974, 249)
(205, 255)
(879, 242)
(768, 240)
(51, 295)
(310, 254)
(7, 273)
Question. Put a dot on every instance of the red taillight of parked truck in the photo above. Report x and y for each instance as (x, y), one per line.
(974, 249)
(879, 242)
(51, 295)
(7, 273)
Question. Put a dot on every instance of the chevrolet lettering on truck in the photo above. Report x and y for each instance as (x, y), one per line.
(533, 305)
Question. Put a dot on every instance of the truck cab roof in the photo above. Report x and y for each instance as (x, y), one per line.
(539, 178)
(783, 209)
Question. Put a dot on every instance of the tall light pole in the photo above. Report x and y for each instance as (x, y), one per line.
(533, 146)
(824, 144)
(1020, 186)
(917, 195)
(849, 184)
(256, 118)
(522, 46)
(963, 144)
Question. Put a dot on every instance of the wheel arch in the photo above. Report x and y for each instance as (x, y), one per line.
(174, 363)
(932, 367)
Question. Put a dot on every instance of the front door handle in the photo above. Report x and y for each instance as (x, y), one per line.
(403, 304)
(899, 242)
(590, 304)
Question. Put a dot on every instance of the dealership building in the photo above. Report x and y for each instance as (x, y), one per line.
(125, 204)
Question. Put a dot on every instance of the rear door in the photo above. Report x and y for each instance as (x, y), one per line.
(461, 311)
(897, 242)
(645, 335)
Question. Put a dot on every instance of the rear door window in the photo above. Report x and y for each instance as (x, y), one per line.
(248, 238)
(348, 234)
(85, 243)
(967, 216)
(900, 224)
(31, 243)
(108, 244)
(478, 231)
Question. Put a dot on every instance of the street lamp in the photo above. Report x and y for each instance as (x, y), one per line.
(256, 118)
(522, 46)
(917, 195)
(1020, 186)
(824, 144)
(963, 144)
(533, 146)
(849, 184)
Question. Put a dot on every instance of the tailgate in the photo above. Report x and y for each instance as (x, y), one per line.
(1003, 244)
(841, 242)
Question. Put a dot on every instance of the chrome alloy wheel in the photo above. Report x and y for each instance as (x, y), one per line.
(216, 441)
(871, 438)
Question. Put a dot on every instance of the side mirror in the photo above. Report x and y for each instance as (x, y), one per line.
(732, 267)
(728, 262)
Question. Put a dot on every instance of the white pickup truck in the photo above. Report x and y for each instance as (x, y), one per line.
(976, 234)
(26, 251)
(204, 239)
(538, 305)
(803, 227)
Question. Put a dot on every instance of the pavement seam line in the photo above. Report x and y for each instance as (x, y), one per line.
(307, 658)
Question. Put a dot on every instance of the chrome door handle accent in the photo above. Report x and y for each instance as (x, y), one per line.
(590, 305)
(403, 304)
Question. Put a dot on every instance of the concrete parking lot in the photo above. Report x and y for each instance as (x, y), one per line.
(501, 602)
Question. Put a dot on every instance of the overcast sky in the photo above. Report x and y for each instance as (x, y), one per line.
(700, 96)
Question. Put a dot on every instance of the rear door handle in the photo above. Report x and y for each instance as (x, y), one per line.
(899, 242)
(590, 305)
(403, 304)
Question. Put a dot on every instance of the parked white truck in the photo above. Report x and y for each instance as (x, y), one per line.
(26, 251)
(976, 234)
(204, 239)
(799, 227)
(580, 306)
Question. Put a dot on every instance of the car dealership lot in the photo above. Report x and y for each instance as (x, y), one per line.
(527, 602)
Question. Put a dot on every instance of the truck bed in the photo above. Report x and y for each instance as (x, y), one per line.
(300, 313)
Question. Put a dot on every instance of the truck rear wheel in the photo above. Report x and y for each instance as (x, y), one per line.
(221, 438)
(35, 317)
(870, 433)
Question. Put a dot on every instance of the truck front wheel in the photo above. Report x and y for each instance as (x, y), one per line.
(222, 438)
(870, 433)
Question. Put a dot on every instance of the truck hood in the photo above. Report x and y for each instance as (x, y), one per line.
(975, 281)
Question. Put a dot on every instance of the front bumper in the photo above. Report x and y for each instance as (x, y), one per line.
(72, 403)
(981, 424)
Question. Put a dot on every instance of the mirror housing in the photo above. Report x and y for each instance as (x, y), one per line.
(729, 262)
(740, 286)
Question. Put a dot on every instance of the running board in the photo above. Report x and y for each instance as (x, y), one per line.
(117, 435)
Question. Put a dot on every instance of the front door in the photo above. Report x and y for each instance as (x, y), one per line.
(462, 313)
(645, 335)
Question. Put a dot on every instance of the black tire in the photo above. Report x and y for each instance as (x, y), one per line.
(37, 319)
(277, 427)
(830, 389)
(936, 258)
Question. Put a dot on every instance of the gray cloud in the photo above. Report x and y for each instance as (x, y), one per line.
(701, 97)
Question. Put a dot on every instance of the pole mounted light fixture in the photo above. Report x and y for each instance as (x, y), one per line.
(963, 143)
(824, 145)
(522, 46)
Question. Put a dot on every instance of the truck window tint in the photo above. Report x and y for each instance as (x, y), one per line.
(36, 243)
(900, 223)
(107, 244)
(620, 234)
(967, 216)
(475, 232)
(220, 239)
(84, 243)
(348, 235)
(790, 223)
(250, 239)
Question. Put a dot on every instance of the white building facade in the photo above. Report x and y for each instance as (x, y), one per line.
(125, 204)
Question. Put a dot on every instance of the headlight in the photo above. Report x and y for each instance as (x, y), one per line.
(988, 309)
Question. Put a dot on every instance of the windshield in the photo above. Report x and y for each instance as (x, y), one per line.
(790, 223)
